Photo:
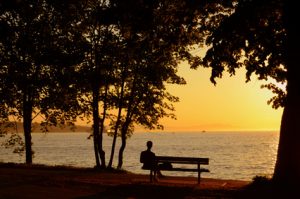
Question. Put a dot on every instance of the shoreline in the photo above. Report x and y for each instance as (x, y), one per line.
(40, 181)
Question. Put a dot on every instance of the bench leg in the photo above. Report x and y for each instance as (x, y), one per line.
(199, 173)
(151, 175)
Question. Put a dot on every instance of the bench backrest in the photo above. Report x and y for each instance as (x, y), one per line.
(182, 160)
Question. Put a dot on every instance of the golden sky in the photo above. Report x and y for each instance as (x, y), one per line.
(232, 104)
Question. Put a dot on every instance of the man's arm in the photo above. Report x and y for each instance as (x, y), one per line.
(142, 157)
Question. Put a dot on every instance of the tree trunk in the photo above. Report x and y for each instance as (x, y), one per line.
(113, 146)
(95, 107)
(27, 118)
(287, 168)
(126, 124)
(100, 138)
(123, 145)
(117, 125)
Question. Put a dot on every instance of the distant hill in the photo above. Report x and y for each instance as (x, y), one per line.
(37, 128)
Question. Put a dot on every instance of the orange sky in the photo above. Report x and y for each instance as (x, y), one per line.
(230, 105)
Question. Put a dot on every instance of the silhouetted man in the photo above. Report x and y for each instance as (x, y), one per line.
(148, 159)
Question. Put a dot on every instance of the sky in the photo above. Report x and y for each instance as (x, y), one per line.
(231, 105)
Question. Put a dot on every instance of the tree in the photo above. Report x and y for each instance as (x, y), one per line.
(97, 69)
(34, 53)
(20, 66)
(142, 98)
(262, 36)
(158, 35)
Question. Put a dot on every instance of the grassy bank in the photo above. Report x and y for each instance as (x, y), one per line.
(41, 181)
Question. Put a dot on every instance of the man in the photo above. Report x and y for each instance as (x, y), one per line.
(148, 158)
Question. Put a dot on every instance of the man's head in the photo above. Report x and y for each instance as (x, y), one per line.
(149, 144)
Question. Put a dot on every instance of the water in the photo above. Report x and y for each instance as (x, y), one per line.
(232, 155)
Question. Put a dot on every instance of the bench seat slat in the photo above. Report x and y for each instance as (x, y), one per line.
(182, 160)
(185, 169)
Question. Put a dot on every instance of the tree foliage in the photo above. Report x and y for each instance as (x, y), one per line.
(253, 36)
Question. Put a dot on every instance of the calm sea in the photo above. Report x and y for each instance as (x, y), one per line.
(232, 155)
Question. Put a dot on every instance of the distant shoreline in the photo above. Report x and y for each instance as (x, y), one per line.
(82, 128)
(36, 128)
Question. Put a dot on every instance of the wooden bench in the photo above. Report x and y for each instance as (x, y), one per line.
(179, 160)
